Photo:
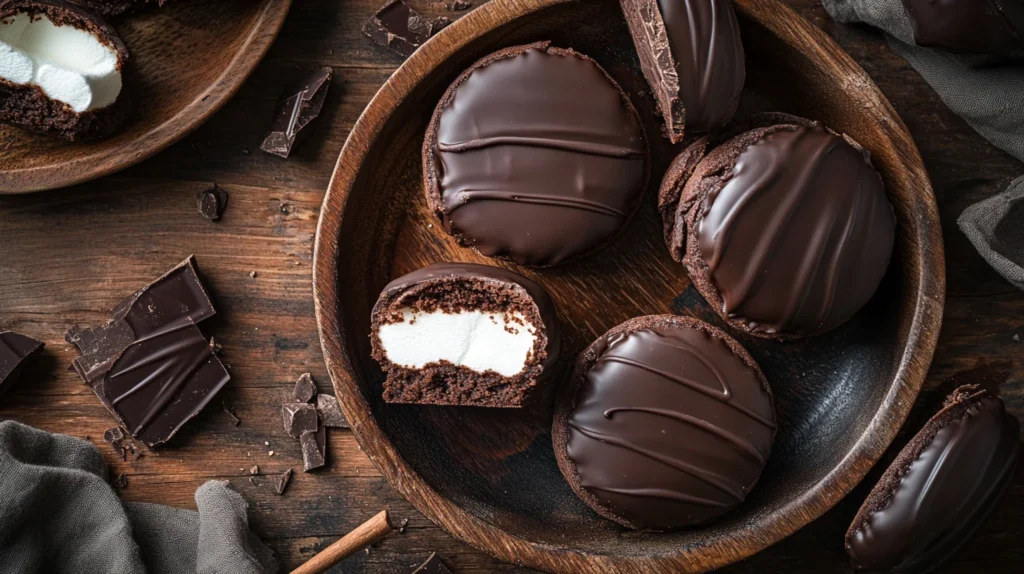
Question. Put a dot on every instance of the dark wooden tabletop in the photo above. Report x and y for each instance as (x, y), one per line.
(68, 256)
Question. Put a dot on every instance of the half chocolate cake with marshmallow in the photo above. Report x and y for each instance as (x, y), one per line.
(60, 70)
(464, 334)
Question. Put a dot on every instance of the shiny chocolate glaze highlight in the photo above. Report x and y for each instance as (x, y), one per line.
(670, 427)
(535, 155)
(799, 235)
(947, 491)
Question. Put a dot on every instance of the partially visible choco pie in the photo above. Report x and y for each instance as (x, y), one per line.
(667, 422)
(786, 229)
(535, 154)
(692, 56)
(465, 334)
(940, 488)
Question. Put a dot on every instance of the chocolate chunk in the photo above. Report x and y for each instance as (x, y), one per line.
(255, 470)
(305, 389)
(968, 26)
(115, 437)
(296, 112)
(121, 481)
(668, 423)
(459, 5)
(692, 56)
(162, 381)
(541, 175)
(281, 481)
(15, 352)
(299, 418)
(940, 489)
(401, 29)
(212, 202)
(330, 412)
(169, 302)
(433, 565)
(235, 421)
(314, 449)
(786, 230)
(465, 334)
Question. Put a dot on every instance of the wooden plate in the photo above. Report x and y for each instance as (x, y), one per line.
(489, 477)
(187, 60)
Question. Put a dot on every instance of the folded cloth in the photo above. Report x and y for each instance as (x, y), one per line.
(984, 91)
(59, 514)
(996, 228)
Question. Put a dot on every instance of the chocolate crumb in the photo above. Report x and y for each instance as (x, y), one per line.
(252, 274)
(458, 6)
(212, 202)
(115, 437)
(121, 481)
(252, 481)
(403, 525)
(281, 481)
(255, 470)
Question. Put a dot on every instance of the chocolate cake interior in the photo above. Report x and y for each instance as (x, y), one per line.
(460, 341)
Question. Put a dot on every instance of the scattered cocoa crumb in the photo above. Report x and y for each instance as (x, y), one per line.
(255, 470)
(271, 453)
(121, 481)
(458, 6)
(252, 274)
(403, 525)
(115, 437)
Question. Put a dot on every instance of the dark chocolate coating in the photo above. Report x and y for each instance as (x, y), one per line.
(671, 426)
(798, 237)
(968, 26)
(942, 492)
(536, 155)
(704, 38)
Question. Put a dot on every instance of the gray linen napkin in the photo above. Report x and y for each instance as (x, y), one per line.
(986, 92)
(58, 514)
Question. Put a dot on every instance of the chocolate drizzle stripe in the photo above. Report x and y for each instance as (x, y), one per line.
(589, 148)
(692, 385)
(709, 62)
(662, 494)
(736, 441)
(465, 197)
(713, 479)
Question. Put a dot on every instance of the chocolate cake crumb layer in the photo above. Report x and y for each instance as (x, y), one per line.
(465, 334)
(940, 489)
(542, 174)
(692, 56)
(667, 422)
(26, 106)
(785, 229)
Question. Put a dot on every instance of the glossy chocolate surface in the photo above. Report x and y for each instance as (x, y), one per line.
(539, 158)
(800, 235)
(946, 493)
(671, 428)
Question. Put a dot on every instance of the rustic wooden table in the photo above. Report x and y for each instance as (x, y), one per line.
(68, 256)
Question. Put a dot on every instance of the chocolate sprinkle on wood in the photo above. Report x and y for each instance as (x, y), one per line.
(401, 29)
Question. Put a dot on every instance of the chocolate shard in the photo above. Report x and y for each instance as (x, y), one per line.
(330, 412)
(15, 352)
(692, 56)
(115, 437)
(162, 381)
(121, 481)
(296, 111)
(314, 449)
(433, 565)
(235, 421)
(211, 202)
(401, 29)
(458, 6)
(176, 298)
(299, 418)
(281, 481)
(305, 389)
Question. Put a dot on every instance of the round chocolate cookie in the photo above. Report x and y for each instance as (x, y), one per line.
(535, 154)
(940, 489)
(786, 229)
(666, 423)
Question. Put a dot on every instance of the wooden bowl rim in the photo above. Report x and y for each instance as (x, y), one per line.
(261, 36)
(925, 264)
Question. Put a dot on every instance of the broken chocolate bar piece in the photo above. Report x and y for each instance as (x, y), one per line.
(170, 301)
(212, 202)
(401, 29)
(305, 389)
(433, 565)
(15, 352)
(314, 449)
(330, 412)
(281, 481)
(295, 112)
(115, 437)
(162, 381)
(299, 418)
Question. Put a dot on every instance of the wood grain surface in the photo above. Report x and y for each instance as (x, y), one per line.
(66, 257)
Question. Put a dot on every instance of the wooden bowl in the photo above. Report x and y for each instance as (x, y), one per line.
(187, 60)
(489, 477)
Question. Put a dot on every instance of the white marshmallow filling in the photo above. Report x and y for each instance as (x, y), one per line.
(478, 340)
(69, 65)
